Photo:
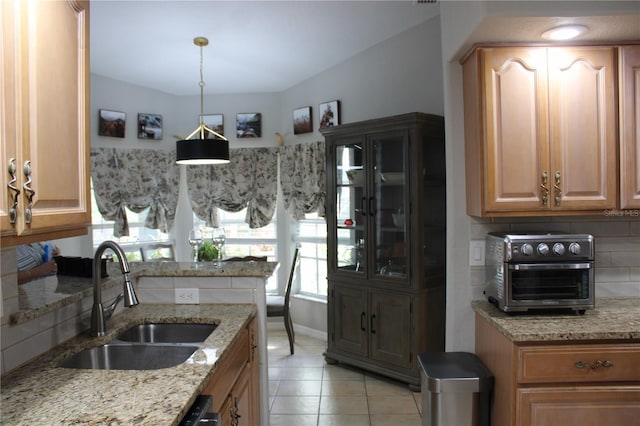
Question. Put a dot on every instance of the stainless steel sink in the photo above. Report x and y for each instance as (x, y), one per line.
(130, 357)
(167, 333)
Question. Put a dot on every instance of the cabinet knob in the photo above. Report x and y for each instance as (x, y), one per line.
(13, 210)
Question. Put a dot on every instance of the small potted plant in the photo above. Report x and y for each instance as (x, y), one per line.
(207, 251)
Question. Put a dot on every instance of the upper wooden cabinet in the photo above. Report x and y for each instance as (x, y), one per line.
(45, 122)
(540, 130)
(630, 127)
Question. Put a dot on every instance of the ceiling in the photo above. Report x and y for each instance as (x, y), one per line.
(254, 46)
(270, 46)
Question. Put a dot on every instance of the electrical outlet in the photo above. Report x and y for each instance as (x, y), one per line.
(476, 253)
(187, 295)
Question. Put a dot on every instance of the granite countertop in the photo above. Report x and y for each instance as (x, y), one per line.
(47, 294)
(614, 318)
(41, 393)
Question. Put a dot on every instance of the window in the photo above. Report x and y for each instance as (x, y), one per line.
(244, 241)
(311, 237)
(139, 235)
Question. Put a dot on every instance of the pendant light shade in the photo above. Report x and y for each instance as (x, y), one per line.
(202, 150)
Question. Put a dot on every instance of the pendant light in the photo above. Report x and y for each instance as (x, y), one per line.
(202, 150)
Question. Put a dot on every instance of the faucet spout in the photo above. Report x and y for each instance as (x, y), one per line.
(100, 314)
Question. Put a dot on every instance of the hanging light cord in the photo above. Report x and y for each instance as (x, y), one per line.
(202, 130)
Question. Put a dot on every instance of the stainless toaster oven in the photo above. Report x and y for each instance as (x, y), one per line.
(540, 271)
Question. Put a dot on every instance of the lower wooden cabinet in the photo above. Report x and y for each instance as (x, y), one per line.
(560, 383)
(235, 384)
(578, 405)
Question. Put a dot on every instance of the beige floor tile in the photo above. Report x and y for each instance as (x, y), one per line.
(273, 386)
(396, 420)
(343, 405)
(392, 405)
(343, 387)
(338, 372)
(299, 388)
(313, 360)
(382, 387)
(293, 420)
(344, 420)
(295, 405)
(275, 373)
(301, 373)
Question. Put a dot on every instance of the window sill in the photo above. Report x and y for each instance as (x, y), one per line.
(309, 298)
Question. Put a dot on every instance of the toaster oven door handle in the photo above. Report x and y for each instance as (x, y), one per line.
(547, 266)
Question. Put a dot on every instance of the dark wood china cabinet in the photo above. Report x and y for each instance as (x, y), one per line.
(386, 218)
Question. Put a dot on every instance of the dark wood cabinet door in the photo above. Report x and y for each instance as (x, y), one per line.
(350, 320)
(390, 322)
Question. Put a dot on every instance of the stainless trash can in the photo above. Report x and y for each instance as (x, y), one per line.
(456, 389)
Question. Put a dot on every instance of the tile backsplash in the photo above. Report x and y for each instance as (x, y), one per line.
(617, 244)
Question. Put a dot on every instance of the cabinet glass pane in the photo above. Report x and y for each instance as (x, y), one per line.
(350, 226)
(390, 200)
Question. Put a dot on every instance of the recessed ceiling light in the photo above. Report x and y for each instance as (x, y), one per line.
(564, 32)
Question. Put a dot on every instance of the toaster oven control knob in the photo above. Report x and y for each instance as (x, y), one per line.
(574, 248)
(526, 249)
(558, 249)
(543, 249)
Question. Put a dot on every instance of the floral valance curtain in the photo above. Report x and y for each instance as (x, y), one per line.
(302, 178)
(135, 179)
(248, 180)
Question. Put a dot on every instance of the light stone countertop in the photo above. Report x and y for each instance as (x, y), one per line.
(39, 297)
(614, 318)
(42, 393)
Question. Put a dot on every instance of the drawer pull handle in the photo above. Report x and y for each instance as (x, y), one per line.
(597, 364)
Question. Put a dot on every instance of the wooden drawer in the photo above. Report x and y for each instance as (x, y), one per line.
(579, 363)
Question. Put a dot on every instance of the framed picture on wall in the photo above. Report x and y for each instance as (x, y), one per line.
(249, 125)
(215, 122)
(149, 126)
(111, 123)
(302, 120)
(329, 114)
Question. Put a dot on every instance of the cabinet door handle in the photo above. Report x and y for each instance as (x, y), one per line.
(372, 211)
(29, 192)
(597, 364)
(13, 210)
(545, 188)
(373, 317)
(556, 187)
(362, 317)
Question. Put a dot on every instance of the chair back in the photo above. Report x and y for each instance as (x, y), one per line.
(294, 265)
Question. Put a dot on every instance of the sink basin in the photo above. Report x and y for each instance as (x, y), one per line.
(130, 357)
(167, 333)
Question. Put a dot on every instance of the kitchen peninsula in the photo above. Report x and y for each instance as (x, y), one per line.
(42, 393)
(156, 283)
(560, 368)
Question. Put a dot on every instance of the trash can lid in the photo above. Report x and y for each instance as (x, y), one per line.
(454, 372)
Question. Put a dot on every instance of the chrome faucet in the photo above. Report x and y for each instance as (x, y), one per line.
(100, 314)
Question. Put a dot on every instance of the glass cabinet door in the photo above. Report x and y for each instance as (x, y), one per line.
(350, 208)
(389, 228)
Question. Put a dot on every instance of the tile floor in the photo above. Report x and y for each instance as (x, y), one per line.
(305, 391)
